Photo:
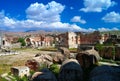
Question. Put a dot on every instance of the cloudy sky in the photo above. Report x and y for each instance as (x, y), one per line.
(62, 15)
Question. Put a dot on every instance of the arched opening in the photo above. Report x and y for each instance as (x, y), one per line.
(3, 42)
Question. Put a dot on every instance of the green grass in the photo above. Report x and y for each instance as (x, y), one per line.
(48, 49)
(107, 60)
(74, 50)
(110, 61)
(2, 79)
(55, 69)
(4, 68)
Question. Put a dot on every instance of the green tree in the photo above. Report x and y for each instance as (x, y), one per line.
(22, 41)
(99, 46)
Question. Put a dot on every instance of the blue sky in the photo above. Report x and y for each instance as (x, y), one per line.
(63, 15)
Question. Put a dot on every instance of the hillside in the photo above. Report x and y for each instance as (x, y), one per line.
(42, 32)
(117, 32)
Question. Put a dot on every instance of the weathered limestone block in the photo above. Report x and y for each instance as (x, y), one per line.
(70, 71)
(64, 51)
(20, 71)
(88, 57)
(44, 59)
(86, 60)
(32, 64)
(58, 58)
(44, 75)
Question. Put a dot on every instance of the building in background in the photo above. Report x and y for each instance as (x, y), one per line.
(74, 39)
(39, 41)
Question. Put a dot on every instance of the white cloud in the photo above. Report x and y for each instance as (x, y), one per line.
(49, 13)
(29, 24)
(97, 5)
(71, 8)
(44, 17)
(78, 19)
(112, 17)
(107, 29)
(9, 22)
(12, 24)
(40, 16)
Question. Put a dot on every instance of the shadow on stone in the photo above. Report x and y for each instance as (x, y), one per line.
(70, 71)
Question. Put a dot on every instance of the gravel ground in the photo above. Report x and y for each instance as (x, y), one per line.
(21, 57)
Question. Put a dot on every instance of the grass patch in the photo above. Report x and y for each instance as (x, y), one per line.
(2, 79)
(55, 69)
(20, 49)
(108, 60)
(48, 49)
(73, 50)
(4, 68)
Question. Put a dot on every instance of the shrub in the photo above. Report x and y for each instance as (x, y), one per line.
(42, 66)
(55, 69)
(22, 41)
(24, 78)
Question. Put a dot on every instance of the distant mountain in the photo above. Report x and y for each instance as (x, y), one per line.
(50, 32)
(30, 30)
(115, 32)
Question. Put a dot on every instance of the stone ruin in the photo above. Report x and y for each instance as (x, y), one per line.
(49, 59)
(88, 58)
(32, 64)
(107, 52)
(44, 59)
(70, 71)
(44, 75)
(117, 53)
(20, 71)
(105, 73)
(7, 51)
(38, 60)
(64, 51)
(62, 54)
(93, 52)
(58, 58)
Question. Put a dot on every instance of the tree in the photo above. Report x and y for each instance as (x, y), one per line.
(22, 41)
(99, 46)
